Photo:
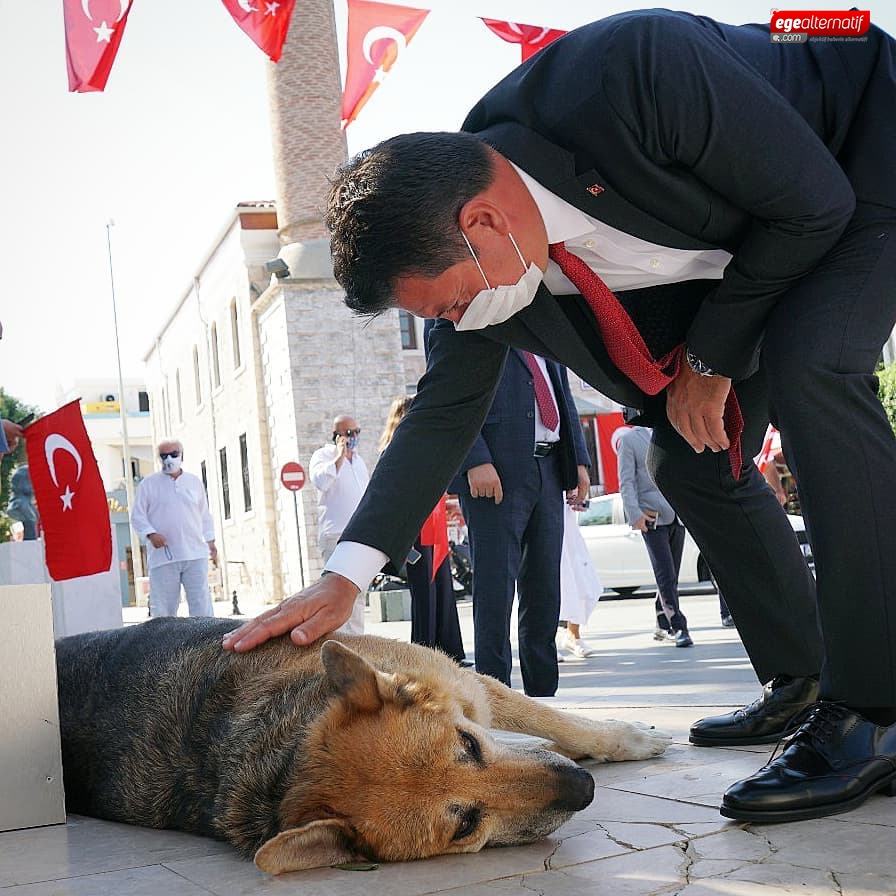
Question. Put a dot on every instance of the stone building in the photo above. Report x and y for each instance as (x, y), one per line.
(260, 353)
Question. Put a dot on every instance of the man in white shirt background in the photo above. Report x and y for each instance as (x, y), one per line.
(340, 476)
(171, 513)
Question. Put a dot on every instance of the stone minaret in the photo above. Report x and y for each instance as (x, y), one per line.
(317, 359)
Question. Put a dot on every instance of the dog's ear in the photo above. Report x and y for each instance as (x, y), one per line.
(318, 843)
(351, 676)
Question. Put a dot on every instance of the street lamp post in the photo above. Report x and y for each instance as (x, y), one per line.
(136, 556)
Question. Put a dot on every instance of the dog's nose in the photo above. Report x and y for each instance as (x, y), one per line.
(575, 790)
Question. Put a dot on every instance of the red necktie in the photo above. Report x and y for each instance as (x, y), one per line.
(543, 398)
(627, 349)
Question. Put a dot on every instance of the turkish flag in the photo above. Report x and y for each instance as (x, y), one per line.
(93, 31)
(531, 38)
(609, 428)
(265, 21)
(378, 34)
(435, 532)
(70, 496)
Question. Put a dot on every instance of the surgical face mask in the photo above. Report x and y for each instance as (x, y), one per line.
(495, 304)
(171, 465)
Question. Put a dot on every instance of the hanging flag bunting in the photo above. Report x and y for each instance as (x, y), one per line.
(265, 21)
(378, 33)
(93, 31)
(71, 499)
(531, 38)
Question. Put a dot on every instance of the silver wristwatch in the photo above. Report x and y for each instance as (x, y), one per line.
(697, 365)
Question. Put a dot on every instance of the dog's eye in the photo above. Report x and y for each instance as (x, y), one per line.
(471, 745)
(469, 822)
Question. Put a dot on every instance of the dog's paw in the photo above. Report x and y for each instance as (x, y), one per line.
(614, 741)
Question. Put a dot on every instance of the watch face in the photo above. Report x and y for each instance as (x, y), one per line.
(698, 366)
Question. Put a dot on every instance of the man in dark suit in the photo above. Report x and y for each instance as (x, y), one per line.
(738, 195)
(511, 490)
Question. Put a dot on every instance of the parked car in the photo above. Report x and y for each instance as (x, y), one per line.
(620, 557)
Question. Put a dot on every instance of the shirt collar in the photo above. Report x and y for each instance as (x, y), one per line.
(562, 221)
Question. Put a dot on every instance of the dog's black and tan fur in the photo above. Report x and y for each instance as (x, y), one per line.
(352, 748)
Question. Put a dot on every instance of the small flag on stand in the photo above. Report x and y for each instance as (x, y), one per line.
(71, 499)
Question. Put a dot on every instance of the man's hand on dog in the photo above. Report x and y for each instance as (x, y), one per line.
(317, 610)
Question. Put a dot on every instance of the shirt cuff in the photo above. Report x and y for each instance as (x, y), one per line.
(358, 563)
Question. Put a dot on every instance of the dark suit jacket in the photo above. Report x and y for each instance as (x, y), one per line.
(679, 131)
(508, 432)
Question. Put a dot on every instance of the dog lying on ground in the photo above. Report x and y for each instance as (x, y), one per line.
(352, 749)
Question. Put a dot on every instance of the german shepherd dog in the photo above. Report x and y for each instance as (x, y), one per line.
(351, 749)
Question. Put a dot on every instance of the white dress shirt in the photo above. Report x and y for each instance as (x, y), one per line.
(339, 491)
(178, 509)
(621, 260)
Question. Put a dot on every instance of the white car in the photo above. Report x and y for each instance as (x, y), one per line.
(620, 557)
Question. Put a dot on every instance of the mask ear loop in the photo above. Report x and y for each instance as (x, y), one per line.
(487, 284)
(520, 254)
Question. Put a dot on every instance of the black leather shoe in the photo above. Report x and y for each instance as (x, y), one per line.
(834, 762)
(765, 721)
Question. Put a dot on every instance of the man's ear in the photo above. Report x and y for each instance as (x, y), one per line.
(480, 218)
(352, 677)
(316, 844)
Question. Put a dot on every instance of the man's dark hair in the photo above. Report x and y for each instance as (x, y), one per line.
(393, 211)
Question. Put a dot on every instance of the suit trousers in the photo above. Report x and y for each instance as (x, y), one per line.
(665, 545)
(516, 545)
(816, 383)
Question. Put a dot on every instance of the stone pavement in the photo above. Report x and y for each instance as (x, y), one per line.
(653, 827)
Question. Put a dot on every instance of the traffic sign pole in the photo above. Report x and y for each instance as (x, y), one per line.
(292, 475)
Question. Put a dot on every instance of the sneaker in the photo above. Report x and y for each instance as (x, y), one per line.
(577, 647)
(728, 622)
(683, 639)
(662, 635)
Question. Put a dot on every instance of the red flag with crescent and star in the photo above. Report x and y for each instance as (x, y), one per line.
(378, 33)
(265, 21)
(74, 512)
(93, 31)
(531, 38)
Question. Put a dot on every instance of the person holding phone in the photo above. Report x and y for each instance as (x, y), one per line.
(647, 510)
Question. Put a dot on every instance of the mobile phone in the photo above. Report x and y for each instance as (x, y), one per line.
(24, 421)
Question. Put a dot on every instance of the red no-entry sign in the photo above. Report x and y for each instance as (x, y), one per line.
(292, 476)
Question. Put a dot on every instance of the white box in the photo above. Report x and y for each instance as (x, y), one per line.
(31, 792)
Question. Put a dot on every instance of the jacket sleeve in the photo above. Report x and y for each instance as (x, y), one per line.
(452, 401)
(688, 99)
(628, 470)
(583, 458)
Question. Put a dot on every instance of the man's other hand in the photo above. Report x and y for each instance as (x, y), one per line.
(695, 405)
(157, 540)
(317, 610)
(485, 482)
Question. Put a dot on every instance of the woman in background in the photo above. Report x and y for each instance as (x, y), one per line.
(434, 621)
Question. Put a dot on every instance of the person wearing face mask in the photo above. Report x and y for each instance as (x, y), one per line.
(339, 474)
(171, 513)
(714, 214)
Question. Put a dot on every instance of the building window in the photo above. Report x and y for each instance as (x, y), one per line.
(408, 329)
(143, 402)
(203, 473)
(225, 484)
(180, 406)
(216, 366)
(235, 334)
(197, 381)
(244, 463)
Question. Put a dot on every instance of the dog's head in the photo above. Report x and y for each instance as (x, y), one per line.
(395, 771)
